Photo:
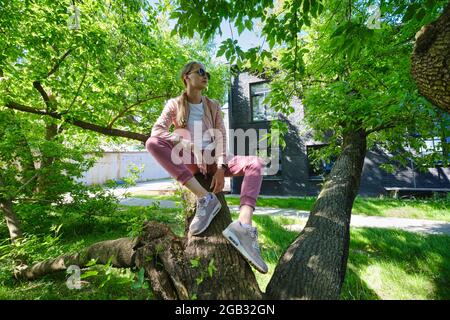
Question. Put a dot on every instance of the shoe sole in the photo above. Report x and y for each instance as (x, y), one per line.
(211, 217)
(231, 237)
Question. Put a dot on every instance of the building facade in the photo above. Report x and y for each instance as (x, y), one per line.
(297, 173)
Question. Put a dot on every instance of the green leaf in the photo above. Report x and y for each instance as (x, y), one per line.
(88, 274)
(420, 14)
(91, 263)
(211, 268)
(306, 6)
(195, 263)
(410, 12)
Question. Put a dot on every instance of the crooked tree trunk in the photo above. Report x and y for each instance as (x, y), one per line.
(122, 251)
(430, 61)
(314, 266)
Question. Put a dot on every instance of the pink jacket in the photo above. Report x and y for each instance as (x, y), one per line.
(212, 118)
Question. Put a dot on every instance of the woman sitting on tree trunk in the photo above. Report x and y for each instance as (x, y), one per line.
(200, 133)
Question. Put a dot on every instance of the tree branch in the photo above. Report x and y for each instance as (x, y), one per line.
(81, 124)
(122, 113)
(37, 84)
(121, 250)
(382, 127)
(56, 66)
(79, 88)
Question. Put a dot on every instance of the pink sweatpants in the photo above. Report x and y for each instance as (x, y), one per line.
(247, 166)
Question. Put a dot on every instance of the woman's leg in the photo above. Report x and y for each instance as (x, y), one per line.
(240, 233)
(161, 150)
(251, 168)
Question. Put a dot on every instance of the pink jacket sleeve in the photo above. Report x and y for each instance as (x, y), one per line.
(221, 140)
(162, 125)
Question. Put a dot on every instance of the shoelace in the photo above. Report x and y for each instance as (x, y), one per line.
(254, 235)
(201, 204)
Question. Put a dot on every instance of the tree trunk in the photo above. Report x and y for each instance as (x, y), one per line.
(192, 267)
(430, 61)
(44, 181)
(314, 266)
(12, 222)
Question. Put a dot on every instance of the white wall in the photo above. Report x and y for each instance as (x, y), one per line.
(114, 166)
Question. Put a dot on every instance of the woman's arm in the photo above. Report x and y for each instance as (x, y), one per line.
(162, 125)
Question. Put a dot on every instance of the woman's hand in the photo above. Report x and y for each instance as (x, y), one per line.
(218, 180)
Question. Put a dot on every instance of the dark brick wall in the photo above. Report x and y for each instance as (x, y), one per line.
(293, 178)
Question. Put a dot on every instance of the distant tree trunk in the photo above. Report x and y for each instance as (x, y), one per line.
(12, 222)
(314, 266)
(430, 61)
(47, 161)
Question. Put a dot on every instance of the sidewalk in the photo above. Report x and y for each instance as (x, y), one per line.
(411, 225)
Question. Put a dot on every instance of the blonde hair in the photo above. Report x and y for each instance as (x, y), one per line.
(183, 106)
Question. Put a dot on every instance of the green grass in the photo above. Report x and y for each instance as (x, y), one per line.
(432, 209)
(383, 264)
(75, 234)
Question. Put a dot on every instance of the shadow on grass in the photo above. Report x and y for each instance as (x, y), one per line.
(415, 254)
(277, 239)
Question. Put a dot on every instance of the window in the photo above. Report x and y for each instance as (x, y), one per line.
(431, 145)
(318, 168)
(261, 111)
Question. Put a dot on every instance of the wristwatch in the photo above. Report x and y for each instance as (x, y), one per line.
(223, 166)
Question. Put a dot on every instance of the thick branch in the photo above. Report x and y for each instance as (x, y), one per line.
(121, 250)
(430, 61)
(81, 124)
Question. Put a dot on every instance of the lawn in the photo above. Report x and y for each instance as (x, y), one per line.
(433, 209)
(383, 264)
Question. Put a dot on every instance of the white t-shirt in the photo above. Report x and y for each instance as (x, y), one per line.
(196, 118)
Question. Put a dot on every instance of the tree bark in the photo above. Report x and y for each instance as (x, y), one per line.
(314, 266)
(430, 61)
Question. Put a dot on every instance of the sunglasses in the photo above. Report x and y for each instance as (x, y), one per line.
(201, 72)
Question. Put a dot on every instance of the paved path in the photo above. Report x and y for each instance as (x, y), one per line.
(411, 225)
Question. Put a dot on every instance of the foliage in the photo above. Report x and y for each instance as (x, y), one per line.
(114, 72)
(349, 74)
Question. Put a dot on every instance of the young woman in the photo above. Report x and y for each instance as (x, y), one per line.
(201, 137)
